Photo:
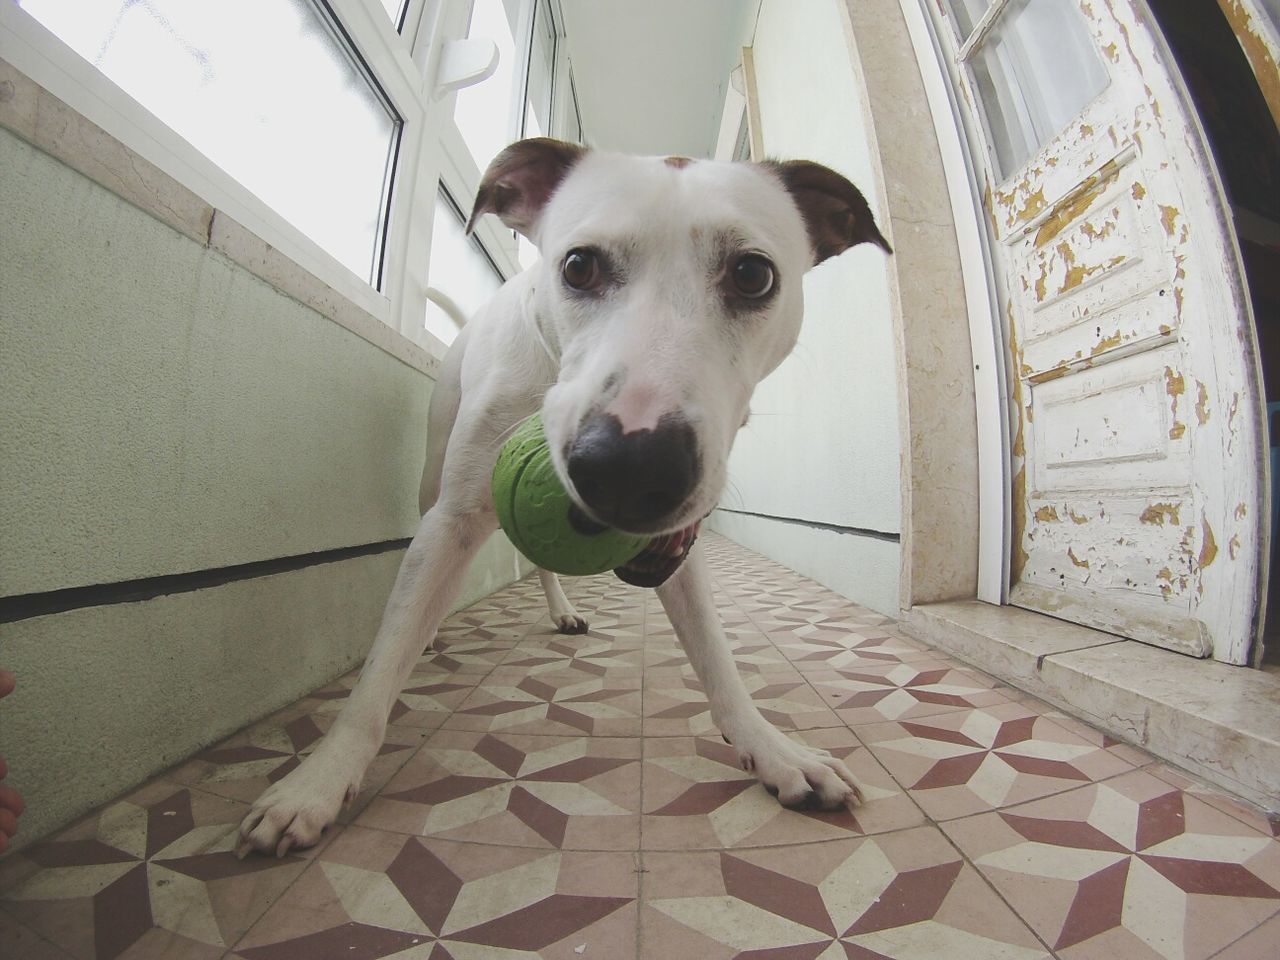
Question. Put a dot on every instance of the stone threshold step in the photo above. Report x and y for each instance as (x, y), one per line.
(1218, 721)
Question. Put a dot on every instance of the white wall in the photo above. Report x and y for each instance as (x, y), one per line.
(822, 444)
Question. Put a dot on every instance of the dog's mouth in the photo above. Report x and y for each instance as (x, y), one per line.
(655, 564)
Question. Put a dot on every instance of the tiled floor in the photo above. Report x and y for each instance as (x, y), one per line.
(550, 796)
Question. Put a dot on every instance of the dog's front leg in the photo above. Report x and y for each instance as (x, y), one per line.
(296, 810)
(799, 776)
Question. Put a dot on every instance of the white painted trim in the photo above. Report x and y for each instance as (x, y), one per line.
(981, 29)
(735, 112)
(753, 103)
(990, 390)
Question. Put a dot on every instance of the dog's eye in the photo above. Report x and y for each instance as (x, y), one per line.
(581, 270)
(752, 276)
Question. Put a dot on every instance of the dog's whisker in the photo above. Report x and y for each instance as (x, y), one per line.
(507, 434)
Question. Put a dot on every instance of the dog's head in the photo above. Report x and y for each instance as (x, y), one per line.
(669, 288)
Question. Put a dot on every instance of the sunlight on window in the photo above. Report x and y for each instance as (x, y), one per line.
(458, 269)
(483, 111)
(395, 8)
(265, 91)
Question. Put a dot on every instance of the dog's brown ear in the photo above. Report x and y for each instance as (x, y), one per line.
(521, 179)
(835, 211)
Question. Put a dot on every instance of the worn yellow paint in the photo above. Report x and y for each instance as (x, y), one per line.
(1076, 273)
(1076, 560)
(1202, 404)
(1138, 190)
(1048, 514)
(1018, 562)
(1158, 513)
(1177, 431)
(1165, 330)
(1169, 218)
(1030, 208)
(1076, 202)
(1112, 52)
(1051, 374)
(1175, 385)
(1109, 226)
(1076, 518)
(1019, 448)
(1106, 343)
(1257, 51)
(988, 204)
(1208, 546)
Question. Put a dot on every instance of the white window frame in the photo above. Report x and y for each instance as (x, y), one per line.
(431, 151)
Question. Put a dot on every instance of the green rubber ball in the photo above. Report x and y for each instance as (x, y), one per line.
(533, 510)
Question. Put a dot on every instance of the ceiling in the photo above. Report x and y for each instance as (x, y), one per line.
(651, 76)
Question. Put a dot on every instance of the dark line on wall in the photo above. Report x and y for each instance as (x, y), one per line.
(819, 525)
(28, 605)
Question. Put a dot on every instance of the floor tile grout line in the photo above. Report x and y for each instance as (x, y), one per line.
(1247, 933)
(995, 890)
(35, 933)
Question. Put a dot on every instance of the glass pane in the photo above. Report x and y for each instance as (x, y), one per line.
(395, 10)
(458, 269)
(742, 146)
(572, 118)
(483, 111)
(1035, 71)
(265, 91)
(966, 14)
(542, 58)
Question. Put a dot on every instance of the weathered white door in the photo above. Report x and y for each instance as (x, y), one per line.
(1136, 454)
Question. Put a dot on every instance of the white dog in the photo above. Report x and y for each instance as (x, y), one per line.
(667, 289)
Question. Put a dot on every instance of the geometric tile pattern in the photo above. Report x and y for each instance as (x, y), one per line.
(970, 760)
(542, 795)
(1132, 867)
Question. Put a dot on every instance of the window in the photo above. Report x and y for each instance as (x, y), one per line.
(460, 269)
(531, 94)
(483, 112)
(396, 11)
(291, 117)
(1035, 67)
(288, 132)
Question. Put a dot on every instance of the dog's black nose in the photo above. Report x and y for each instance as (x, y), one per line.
(633, 480)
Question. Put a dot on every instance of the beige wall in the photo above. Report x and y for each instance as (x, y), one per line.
(821, 449)
(871, 423)
(164, 410)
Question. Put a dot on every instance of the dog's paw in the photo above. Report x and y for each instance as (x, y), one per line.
(295, 812)
(570, 623)
(801, 777)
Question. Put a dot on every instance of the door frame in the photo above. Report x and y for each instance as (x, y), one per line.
(975, 243)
